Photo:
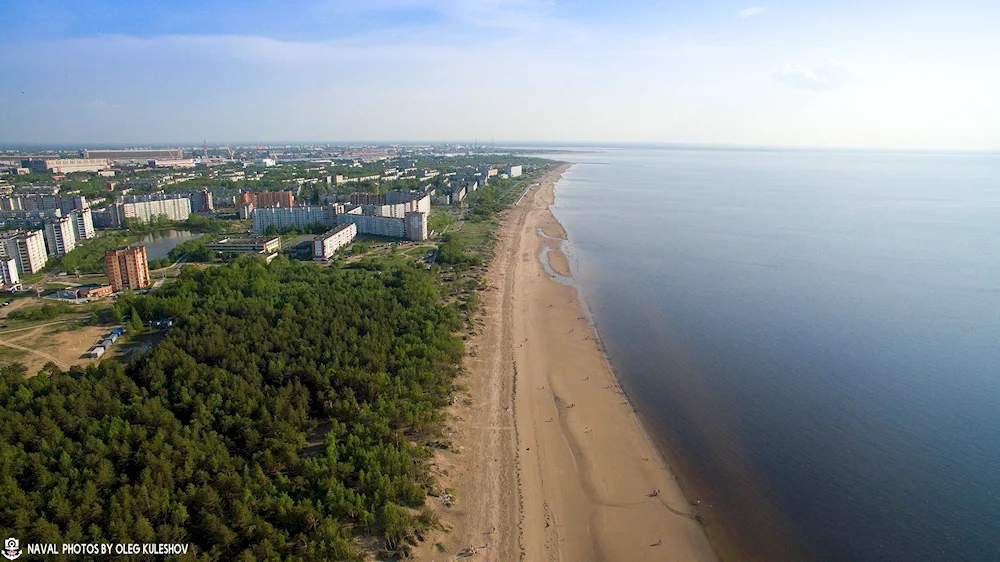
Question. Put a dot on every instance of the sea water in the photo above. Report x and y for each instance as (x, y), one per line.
(813, 337)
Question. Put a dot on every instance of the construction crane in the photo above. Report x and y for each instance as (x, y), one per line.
(230, 151)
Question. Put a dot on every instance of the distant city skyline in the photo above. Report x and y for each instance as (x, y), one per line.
(847, 74)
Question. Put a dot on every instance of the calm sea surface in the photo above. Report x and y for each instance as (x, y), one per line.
(813, 337)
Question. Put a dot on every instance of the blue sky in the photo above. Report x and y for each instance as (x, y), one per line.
(841, 73)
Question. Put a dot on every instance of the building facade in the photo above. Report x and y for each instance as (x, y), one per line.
(254, 245)
(175, 209)
(8, 271)
(127, 268)
(83, 224)
(67, 165)
(416, 226)
(261, 199)
(327, 244)
(375, 226)
(282, 218)
(135, 156)
(201, 201)
(38, 202)
(28, 219)
(28, 248)
(60, 236)
(392, 203)
(514, 171)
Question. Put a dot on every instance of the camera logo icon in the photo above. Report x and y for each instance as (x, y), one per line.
(11, 549)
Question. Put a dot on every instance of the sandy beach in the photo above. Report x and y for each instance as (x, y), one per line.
(549, 461)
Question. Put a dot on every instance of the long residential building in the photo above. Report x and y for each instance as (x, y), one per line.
(60, 236)
(392, 203)
(28, 248)
(413, 226)
(127, 267)
(327, 244)
(303, 217)
(28, 219)
(144, 208)
(245, 245)
(376, 226)
(39, 202)
(36, 189)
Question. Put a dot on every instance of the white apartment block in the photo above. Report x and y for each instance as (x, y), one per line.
(377, 226)
(178, 209)
(514, 171)
(411, 227)
(293, 217)
(416, 226)
(327, 244)
(27, 248)
(83, 224)
(59, 236)
(8, 271)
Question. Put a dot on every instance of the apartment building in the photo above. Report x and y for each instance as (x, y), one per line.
(28, 219)
(83, 224)
(28, 248)
(327, 244)
(393, 204)
(144, 208)
(246, 245)
(8, 271)
(127, 268)
(302, 217)
(60, 236)
(201, 201)
(261, 199)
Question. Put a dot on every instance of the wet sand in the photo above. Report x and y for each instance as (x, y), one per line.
(552, 463)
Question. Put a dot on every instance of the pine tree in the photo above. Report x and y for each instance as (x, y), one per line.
(134, 321)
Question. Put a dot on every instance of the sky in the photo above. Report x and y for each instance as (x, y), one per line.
(798, 73)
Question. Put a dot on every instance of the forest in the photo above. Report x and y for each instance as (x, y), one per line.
(288, 410)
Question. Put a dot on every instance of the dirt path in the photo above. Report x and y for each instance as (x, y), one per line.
(45, 356)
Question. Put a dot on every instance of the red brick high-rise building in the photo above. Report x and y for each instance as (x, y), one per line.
(263, 199)
(127, 267)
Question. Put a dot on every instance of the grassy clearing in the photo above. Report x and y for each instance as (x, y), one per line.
(10, 355)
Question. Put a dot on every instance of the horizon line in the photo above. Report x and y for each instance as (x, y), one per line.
(497, 144)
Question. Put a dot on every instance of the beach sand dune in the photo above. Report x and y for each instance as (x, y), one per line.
(553, 464)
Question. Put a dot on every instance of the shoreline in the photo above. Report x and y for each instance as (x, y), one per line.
(549, 459)
(600, 452)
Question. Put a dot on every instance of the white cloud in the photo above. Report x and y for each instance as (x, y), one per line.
(752, 11)
(827, 75)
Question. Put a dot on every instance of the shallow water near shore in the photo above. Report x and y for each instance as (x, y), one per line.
(811, 336)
